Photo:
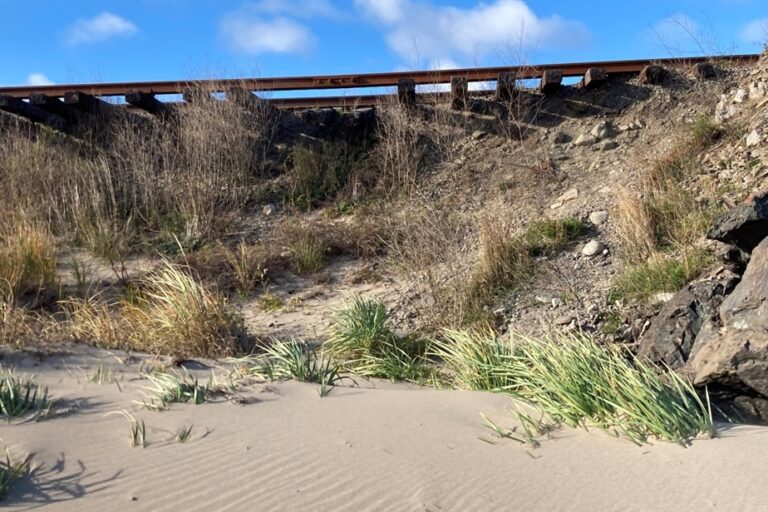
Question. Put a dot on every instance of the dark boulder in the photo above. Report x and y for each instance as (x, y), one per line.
(730, 353)
(672, 333)
(744, 226)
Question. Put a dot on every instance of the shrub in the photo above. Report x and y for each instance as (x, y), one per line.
(320, 173)
(309, 248)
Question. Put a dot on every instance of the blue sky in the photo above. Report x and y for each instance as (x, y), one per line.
(118, 40)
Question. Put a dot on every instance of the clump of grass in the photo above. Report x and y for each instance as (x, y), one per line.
(174, 387)
(270, 302)
(169, 312)
(27, 260)
(182, 435)
(10, 472)
(320, 173)
(243, 268)
(101, 375)
(578, 383)
(19, 396)
(473, 358)
(662, 273)
(248, 267)
(360, 338)
(549, 236)
(296, 360)
(136, 428)
(309, 249)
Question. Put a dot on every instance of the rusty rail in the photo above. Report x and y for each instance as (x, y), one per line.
(351, 81)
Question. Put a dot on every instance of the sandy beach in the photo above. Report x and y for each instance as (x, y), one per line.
(377, 446)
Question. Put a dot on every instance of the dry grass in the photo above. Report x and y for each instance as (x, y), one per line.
(242, 268)
(27, 260)
(634, 226)
(171, 313)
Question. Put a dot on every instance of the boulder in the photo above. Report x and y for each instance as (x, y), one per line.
(584, 140)
(731, 354)
(602, 130)
(599, 217)
(593, 248)
(673, 332)
(744, 226)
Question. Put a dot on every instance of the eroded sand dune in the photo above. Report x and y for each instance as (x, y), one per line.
(379, 446)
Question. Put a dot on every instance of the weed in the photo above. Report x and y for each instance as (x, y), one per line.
(502, 433)
(101, 375)
(547, 237)
(182, 435)
(10, 472)
(174, 387)
(360, 338)
(20, 396)
(270, 302)
(661, 273)
(27, 261)
(298, 361)
(473, 357)
(137, 429)
(322, 172)
(309, 250)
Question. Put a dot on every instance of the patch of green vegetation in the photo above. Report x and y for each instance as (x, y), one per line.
(174, 387)
(547, 237)
(362, 341)
(612, 324)
(10, 472)
(320, 173)
(705, 132)
(579, 383)
(661, 273)
(270, 302)
(19, 396)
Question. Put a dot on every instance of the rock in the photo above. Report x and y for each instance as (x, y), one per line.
(753, 139)
(602, 130)
(561, 138)
(564, 320)
(672, 334)
(758, 90)
(598, 218)
(608, 145)
(556, 302)
(724, 110)
(569, 195)
(740, 96)
(593, 248)
(268, 210)
(744, 226)
(732, 355)
(479, 134)
(662, 298)
(584, 140)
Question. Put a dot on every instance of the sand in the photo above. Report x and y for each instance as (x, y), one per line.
(379, 446)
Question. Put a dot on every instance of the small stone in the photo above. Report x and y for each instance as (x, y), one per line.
(602, 130)
(584, 140)
(541, 299)
(478, 134)
(608, 145)
(564, 320)
(593, 248)
(637, 124)
(556, 302)
(662, 298)
(740, 96)
(753, 139)
(569, 195)
(269, 210)
(561, 138)
(598, 218)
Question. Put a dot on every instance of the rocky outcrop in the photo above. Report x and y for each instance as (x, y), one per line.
(744, 226)
(673, 332)
(730, 353)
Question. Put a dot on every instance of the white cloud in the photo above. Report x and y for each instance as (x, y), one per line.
(254, 36)
(755, 31)
(423, 30)
(38, 79)
(296, 8)
(100, 28)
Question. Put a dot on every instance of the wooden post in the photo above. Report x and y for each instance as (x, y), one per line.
(32, 112)
(704, 70)
(87, 103)
(54, 106)
(147, 102)
(550, 81)
(406, 92)
(594, 76)
(505, 86)
(652, 74)
(459, 92)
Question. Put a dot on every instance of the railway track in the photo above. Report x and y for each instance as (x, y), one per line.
(57, 104)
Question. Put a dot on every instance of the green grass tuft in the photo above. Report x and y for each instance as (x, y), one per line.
(661, 273)
(581, 384)
(10, 472)
(19, 397)
(174, 387)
